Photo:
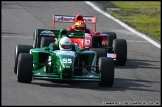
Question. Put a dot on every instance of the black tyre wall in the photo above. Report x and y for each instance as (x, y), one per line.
(20, 49)
(120, 47)
(106, 67)
(96, 41)
(36, 40)
(100, 53)
(45, 41)
(24, 68)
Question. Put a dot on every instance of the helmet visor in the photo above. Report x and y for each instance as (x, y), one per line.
(80, 28)
(66, 46)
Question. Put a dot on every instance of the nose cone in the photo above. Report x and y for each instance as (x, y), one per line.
(67, 59)
(67, 67)
(67, 73)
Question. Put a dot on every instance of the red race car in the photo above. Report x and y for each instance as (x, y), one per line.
(105, 43)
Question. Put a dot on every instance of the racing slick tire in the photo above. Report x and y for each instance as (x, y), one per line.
(46, 41)
(106, 68)
(36, 40)
(20, 49)
(120, 48)
(112, 36)
(100, 53)
(24, 68)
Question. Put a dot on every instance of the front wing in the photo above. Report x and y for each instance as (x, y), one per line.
(40, 74)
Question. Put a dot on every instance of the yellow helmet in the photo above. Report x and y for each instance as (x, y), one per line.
(80, 26)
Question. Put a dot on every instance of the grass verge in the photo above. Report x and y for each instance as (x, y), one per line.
(142, 15)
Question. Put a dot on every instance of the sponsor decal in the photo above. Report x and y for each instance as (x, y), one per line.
(64, 19)
(104, 42)
(88, 19)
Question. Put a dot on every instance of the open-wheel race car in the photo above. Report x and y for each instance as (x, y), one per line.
(105, 42)
(53, 63)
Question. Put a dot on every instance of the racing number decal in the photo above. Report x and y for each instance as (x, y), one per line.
(67, 60)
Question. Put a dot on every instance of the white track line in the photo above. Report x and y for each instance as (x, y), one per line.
(136, 41)
(123, 24)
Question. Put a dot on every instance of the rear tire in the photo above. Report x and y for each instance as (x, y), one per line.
(24, 68)
(36, 40)
(120, 48)
(100, 53)
(20, 49)
(106, 68)
(46, 41)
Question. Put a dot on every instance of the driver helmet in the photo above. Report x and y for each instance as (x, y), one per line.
(80, 26)
(65, 44)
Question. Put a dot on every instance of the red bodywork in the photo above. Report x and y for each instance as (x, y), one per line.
(87, 41)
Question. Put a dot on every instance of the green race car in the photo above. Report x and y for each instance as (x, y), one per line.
(51, 63)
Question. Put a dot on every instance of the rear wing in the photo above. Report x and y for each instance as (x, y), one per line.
(70, 19)
(57, 33)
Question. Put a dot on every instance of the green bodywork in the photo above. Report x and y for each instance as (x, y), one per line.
(50, 63)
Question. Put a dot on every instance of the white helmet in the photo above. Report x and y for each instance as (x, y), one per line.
(65, 44)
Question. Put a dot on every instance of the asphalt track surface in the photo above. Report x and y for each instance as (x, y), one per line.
(138, 82)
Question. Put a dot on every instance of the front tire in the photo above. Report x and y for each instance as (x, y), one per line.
(24, 68)
(20, 49)
(106, 68)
